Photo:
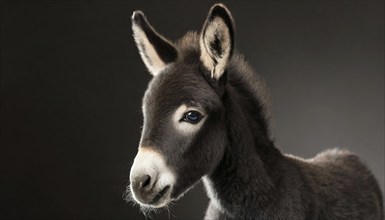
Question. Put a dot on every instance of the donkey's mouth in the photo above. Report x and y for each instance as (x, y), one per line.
(159, 195)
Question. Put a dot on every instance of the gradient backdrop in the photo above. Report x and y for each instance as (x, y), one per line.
(72, 82)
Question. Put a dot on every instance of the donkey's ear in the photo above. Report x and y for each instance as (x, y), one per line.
(156, 51)
(217, 40)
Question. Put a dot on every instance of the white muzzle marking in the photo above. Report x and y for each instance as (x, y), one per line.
(150, 162)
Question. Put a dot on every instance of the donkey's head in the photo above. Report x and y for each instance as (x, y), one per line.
(184, 131)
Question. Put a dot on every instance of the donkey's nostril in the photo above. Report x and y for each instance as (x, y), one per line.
(145, 181)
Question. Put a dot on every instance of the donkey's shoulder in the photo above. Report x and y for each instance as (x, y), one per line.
(340, 175)
(332, 164)
(337, 158)
(332, 159)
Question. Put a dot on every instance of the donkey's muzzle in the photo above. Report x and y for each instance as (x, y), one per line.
(143, 181)
(142, 184)
(146, 192)
(151, 179)
(143, 188)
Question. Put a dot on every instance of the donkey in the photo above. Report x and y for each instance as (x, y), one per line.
(206, 116)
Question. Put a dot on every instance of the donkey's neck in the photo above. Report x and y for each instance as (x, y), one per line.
(249, 171)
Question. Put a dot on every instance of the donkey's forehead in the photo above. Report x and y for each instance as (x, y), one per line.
(180, 84)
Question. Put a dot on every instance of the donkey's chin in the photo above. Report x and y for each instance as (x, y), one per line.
(158, 200)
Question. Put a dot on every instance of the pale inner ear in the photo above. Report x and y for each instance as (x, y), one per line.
(215, 44)
(147, 51)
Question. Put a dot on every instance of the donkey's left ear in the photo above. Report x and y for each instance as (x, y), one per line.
(217, 40)
(156, 51)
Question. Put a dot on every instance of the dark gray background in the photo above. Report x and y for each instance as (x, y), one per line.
(72, 82)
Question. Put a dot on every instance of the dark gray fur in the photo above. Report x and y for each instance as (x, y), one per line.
(250, 178)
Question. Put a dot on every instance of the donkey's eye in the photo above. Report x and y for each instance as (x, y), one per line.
(192, 117)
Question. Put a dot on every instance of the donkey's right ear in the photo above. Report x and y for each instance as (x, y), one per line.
(156, 51)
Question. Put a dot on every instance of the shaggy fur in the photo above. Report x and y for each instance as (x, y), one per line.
(245, 175)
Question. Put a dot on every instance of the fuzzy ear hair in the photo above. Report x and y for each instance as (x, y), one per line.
(217, 40)
(156, 51)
